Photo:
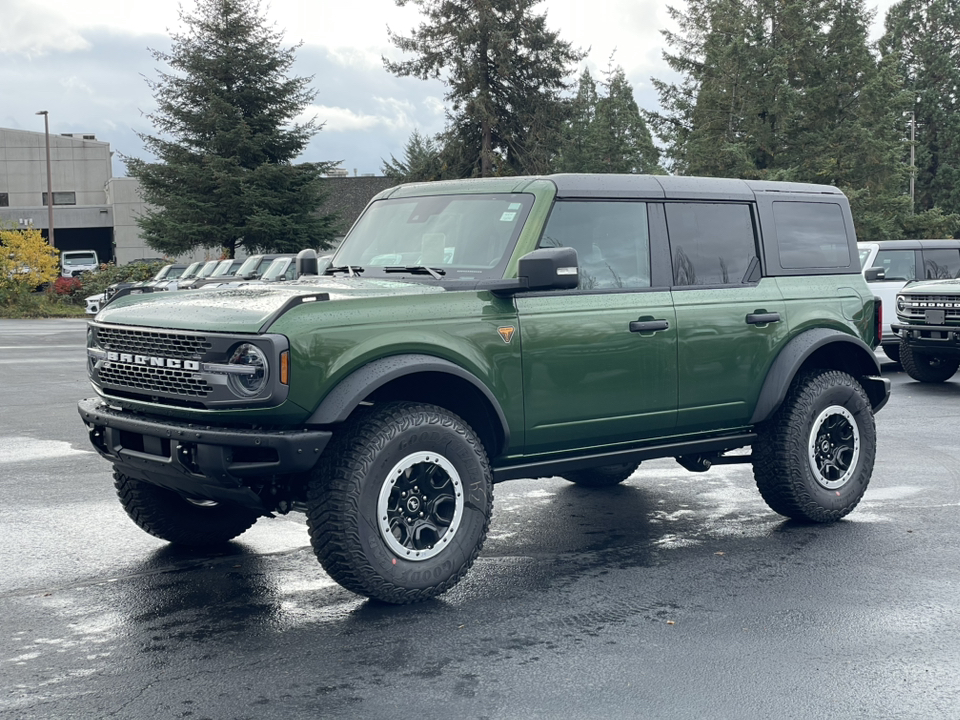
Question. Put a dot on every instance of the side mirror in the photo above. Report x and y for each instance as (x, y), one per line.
(550, 269)
(307, 263)
(874, 274)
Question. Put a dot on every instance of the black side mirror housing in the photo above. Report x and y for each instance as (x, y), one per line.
(874, 274)
(550, 269)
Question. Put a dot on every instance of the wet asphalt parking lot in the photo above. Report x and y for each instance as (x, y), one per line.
(675, 595)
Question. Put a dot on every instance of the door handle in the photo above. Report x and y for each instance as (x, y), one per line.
(641, 326)
(763, 318)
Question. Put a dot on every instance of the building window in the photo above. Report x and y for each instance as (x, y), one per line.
(4, 200)
(62, 198)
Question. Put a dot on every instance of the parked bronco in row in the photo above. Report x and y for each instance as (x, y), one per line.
(470, 332)
(928, 315)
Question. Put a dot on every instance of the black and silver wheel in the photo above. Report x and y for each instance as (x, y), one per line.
(606, 476)
(813, 459)
(180, 520)
(401, 509)
(925, 367)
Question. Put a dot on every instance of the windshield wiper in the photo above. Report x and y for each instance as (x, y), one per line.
(416, 270)
(350, 270)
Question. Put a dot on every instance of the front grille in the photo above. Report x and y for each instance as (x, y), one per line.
(914, 307)
(154, 381)
(151, 342)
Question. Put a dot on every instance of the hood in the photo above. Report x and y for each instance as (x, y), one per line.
(247, 308)
(933, 287)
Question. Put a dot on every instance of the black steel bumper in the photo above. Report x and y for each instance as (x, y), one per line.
(214, 462)
(943, 339)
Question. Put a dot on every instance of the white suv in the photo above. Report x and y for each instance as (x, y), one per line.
(891, 264)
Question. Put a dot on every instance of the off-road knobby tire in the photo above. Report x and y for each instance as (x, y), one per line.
(892, 352)
(606, 476)
(925, 367)
(781, 466)
(169, 516)
(343, 494)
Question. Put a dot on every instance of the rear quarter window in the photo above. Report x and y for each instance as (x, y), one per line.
(811, 235)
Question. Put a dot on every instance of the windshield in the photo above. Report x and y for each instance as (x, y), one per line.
(864, 254)
(208, 269)
(80, 259)
(162, 273)
(225, 268)
(277, 269)
(464, 236)
(191, 270)
(249, 265)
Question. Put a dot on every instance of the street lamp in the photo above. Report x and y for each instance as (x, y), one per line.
(46, 132)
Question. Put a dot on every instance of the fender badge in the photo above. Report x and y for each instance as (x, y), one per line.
(506, 333)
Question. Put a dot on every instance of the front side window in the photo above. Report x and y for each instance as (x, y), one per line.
(811, 235)
(897, 264)
(457, 236)
(941, 264)
(612, 241)
(710, 243)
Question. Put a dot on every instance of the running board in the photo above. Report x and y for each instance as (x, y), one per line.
(549, 468)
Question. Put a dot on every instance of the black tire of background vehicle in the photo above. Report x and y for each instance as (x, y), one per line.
(820, 406)
(892, 352)
(349, 491)
(927, 368)
(169, 516)
(606, 476)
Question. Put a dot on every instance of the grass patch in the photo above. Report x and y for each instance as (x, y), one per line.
(40, 305)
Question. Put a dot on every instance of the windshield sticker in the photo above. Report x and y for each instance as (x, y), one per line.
(507, 216)
(514, 206)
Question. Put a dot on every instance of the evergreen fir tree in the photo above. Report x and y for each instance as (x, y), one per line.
(620, 136)
(421, 161)
(923, 37)
(225, 142)
(504, 71)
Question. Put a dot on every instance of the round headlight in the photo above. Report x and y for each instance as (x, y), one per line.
(901, 303)
(254, 377)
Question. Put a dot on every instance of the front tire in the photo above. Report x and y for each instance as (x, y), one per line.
(927, 368)
(606, 476)
(400, 510)
(892, 352)
(813, 459)
(170, 516)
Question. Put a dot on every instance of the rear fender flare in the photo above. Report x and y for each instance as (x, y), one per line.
(859, 361)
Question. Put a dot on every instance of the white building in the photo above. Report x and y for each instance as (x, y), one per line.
(91, 208)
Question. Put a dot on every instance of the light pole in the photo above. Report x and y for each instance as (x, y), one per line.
(46, 132)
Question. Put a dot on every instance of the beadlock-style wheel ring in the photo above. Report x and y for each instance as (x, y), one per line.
(420, 506)
(834, 447)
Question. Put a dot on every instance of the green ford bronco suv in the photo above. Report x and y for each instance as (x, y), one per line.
(470, 332)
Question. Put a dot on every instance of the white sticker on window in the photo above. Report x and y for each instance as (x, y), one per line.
(513, 206)
(507, 216)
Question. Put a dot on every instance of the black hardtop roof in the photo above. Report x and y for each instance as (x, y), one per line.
(675, 187)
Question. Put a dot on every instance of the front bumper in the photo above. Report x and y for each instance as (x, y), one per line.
(944, 339)
(204, 461)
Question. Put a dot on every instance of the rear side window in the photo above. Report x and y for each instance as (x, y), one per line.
(941, 264)
(612, 241)
(710, 243)
(897, 264)
(811, 235)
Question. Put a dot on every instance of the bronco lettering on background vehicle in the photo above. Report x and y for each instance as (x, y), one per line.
(470, 332)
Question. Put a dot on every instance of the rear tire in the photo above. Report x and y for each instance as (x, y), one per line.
(606, 476)
(927, 368)
(401, 508)
(170, 516)
(813, 459)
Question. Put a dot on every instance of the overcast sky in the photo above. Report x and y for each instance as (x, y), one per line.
(87, 64)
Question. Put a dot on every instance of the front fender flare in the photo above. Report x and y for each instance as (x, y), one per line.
(860, 360)
(349, 392)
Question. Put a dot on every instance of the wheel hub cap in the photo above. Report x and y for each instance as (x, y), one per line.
(834, 447)
(420, 506)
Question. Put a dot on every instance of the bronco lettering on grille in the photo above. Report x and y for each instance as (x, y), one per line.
(153, 361)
